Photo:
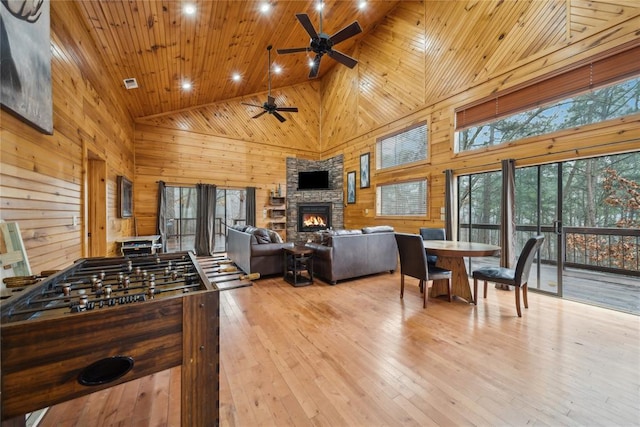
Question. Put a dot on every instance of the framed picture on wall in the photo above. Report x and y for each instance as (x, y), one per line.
(365, 181)
(351, 187)
(125, 197)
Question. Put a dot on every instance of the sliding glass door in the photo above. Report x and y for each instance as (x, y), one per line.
(230, 210)
(589, 212)
(539, 211)
(180, 217)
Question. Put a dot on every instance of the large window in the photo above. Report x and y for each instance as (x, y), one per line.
(407, 146)
(603, 88)
(402, 199)
(597, 106)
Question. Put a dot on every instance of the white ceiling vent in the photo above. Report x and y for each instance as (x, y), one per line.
(130, 83)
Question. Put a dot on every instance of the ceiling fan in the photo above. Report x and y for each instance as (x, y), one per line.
(322, 43)
(270, 106)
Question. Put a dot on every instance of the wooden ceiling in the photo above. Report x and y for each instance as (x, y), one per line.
(160, 46)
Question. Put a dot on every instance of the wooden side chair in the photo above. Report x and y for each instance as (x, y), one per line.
(432, 234)
(517, 277)
(413, 262)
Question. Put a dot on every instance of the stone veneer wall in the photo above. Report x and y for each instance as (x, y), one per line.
(335, 195)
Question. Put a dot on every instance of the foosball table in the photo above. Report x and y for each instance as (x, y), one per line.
(106, 321)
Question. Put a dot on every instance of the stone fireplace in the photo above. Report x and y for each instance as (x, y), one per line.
(331, 198)
(314, 216)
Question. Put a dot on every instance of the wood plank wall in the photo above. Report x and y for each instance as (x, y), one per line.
(186, 158)
(472, 50)
(43, 177)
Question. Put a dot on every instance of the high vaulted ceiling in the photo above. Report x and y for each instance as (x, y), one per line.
(160, 46)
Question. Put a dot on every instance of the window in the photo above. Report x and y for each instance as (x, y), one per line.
(602, 89)
(597, 106)
(402, 199)
(407, 146)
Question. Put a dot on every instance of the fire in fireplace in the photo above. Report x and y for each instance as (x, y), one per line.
(314, 217)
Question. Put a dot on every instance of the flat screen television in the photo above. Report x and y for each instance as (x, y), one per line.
(313, 180)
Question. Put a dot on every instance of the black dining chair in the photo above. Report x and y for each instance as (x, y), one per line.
(432, 234)
(517, 277)
(413, 262)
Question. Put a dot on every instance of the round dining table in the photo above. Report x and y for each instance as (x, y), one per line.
(451, 257)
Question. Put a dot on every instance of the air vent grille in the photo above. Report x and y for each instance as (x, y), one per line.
(130, 83)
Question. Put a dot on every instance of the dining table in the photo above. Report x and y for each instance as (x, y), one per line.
(451, 255)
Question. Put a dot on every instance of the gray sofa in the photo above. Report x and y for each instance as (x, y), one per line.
(256, 250)
(346, 254)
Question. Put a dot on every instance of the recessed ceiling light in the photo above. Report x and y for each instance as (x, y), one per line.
(236, 77)
(189, 9)
(186, 85)
(265, 7)
(311, 62)
(362, 4)
(320, 6)
(277, 69)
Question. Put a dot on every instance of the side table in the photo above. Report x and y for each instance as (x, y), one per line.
(298, 265)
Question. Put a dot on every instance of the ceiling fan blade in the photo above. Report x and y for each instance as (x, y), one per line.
(279, 116)
(315, 69)
(287, 109)
(342, 58)
(259, 114)
(306, 23)
(251, 105)
(346, 32)
(293, 50)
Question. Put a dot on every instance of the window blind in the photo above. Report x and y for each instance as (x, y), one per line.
(406, 146)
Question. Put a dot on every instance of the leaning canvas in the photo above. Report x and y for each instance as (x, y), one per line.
(25, 61)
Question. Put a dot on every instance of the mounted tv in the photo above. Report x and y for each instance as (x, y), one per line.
(315, 180)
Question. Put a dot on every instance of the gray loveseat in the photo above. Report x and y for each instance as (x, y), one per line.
(256, 250)
(346, 254)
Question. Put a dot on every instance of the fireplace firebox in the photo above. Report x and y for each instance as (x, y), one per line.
(314, 217)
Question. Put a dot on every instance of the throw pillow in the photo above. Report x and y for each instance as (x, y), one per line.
(274, 236)
(262, 235)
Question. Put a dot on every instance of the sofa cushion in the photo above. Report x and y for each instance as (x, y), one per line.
(274, 236)
(328, 239)
(343, 232)
(377, 229)
(262, 235)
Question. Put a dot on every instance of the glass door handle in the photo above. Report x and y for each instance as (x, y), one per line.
(557, 227)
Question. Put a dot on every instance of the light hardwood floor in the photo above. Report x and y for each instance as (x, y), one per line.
(354, 354)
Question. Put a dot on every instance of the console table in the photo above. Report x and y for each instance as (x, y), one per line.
(139, 245)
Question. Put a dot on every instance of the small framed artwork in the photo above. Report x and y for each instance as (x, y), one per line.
(125, 193)
(351, 187)
(365, 181)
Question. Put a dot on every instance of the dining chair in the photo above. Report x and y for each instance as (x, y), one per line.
(517, 277)
(413, 263)
(432, 234)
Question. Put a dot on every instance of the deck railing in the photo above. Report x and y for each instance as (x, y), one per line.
(612, 250)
